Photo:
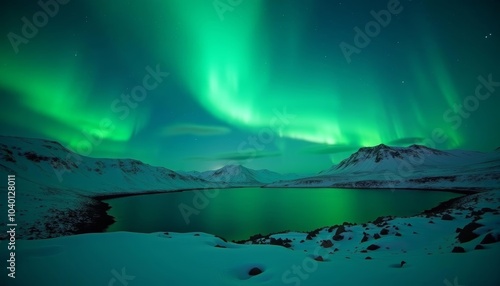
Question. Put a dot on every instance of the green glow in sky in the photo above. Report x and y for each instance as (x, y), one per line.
(230, 76)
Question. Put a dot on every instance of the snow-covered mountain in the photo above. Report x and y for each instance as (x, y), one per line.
(239, 175)
(50, 164)
(408, 167)
(385, 158)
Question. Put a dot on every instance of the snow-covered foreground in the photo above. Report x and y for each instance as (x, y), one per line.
(429, 244)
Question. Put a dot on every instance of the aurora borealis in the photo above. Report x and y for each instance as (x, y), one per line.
(265, 80)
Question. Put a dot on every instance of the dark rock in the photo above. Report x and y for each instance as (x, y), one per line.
(338, 237)
(319, 258)
(458, 230)
(365, 237)
(368, 258)
(384, 231)
(467, 233)
(447, 217)
(376, 236)
(479, 246)
(403, 263)
(254, 271)
(326, 243)
(380, 220)
(490, 238)
(255, 237)
(458, 249)
(312, 234)
(373, 247)
(220, 246)
(340, 230)
(398, 234)
(281, 242)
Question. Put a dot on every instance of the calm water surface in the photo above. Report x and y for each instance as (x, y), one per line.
(241, 212)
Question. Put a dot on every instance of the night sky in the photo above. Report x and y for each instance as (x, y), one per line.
(282, 84)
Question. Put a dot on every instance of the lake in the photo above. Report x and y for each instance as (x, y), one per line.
(239, 213)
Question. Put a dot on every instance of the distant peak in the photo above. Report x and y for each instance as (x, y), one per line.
(377, 147)
(233, 169)
(416, 146)
(232, 166)
(394, 148)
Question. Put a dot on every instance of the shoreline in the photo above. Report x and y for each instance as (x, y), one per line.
(104, 220)
(467, 191)
(441, 207)
(122, 195)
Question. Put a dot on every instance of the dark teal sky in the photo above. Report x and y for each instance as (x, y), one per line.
(290, 86)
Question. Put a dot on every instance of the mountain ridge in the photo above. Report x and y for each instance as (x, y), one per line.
(415, 166)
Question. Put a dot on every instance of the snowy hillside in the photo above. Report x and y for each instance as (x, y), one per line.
(50, 164)
(409, 167)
